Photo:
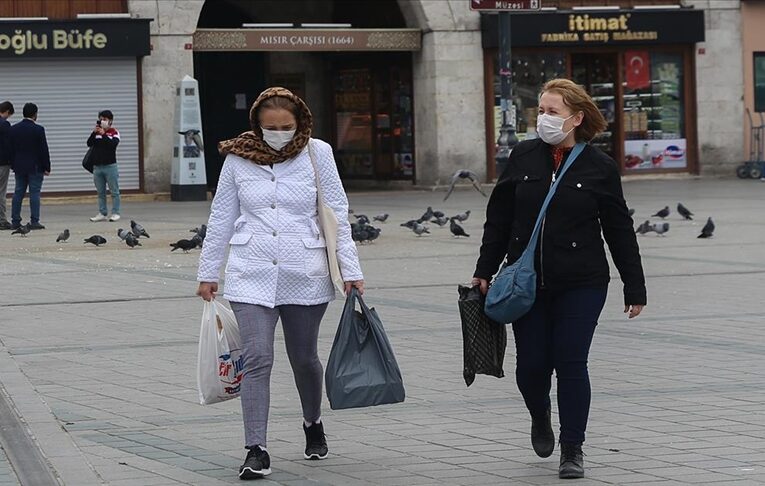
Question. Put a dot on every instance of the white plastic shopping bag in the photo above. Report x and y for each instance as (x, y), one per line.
(219, 372)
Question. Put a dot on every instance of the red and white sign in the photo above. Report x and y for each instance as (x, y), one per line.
(505, 5)
(638, 69)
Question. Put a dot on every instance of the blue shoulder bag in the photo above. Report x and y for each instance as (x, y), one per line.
(514, 289)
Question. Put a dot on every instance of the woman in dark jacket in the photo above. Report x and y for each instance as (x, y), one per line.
(571, 265)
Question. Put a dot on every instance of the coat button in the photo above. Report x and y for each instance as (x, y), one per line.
(274, 233)
(579, 185)
(573, 244)
(274, 262)
(273, 178)
(273, 205)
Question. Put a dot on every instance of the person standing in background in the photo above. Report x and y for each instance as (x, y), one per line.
(30, 161)
(104, 140)
(6, 110)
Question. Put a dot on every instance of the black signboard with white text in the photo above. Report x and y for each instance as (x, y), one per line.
(75, 38)
(598, 28)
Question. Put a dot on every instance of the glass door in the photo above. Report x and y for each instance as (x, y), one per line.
(598, 74)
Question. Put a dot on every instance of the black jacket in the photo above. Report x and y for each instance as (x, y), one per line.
(570, 254)
(104, 147)
(29, 148)
(5, 143)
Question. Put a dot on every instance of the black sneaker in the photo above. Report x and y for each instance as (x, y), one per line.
(571, 461)
(315, 442)
(5, 225)
(256, 465)
(542, 435)
(36, 226)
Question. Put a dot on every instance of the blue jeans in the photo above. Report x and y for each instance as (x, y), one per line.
(556, 335)
(34, 183)
(107, 174)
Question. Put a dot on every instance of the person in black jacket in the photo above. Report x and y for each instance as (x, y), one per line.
(103, 141)
(6, 110)
(30, 161)
(571, 265)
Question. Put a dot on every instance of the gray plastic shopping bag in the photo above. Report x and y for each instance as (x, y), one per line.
(362, 369)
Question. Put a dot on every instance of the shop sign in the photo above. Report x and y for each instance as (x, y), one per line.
(505, 5)
(113, 37)
(575, 28)
(307, 40)
(655, 154)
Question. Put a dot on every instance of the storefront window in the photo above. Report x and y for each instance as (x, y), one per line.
(530, 73)
(654, 125)
(353, 104)
(759, 81)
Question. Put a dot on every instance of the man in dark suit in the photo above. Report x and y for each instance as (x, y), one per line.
(6, 110)
(30, 162)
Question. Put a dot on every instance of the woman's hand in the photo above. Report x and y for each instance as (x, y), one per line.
(634, 310)
(482, 283)
(207, 290)
(359, 284)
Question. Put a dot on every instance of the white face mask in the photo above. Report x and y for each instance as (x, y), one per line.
(277, 139)
(105, 124)
(550, 128)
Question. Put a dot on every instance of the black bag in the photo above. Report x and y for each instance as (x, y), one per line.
(87, 161)
(362, 369)
(484, 340)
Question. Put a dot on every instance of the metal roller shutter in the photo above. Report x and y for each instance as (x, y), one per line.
(69, 94)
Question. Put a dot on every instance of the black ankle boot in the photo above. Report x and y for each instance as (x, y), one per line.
(542, 435)
(571, 461)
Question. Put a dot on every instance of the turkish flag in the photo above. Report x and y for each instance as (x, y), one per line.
(638, 69)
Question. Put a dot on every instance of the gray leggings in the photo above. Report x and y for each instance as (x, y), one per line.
(301, 333)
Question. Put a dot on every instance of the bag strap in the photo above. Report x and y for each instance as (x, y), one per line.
(569, 162)
(315, 173)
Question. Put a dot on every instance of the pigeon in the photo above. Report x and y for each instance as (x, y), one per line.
(464, 174)
(123, 234)
(138, 230)
(374, 233)
(660, 229)
(201, 231)
(438, 214)
(630, 211)
(361, 218)
(97, 240)
(419, 229)
(644, 227)
(381, 217)
(684, 212)
(184, 245)
(427, 215)
(409, 224)
(132, 241)
(440, 220)
(663, 213)
(456, 229)
(63, 236)
(462, 217)
(198, 240)
(22, 230)
(707, 230)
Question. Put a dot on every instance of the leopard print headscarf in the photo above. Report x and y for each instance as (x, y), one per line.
(250, 145)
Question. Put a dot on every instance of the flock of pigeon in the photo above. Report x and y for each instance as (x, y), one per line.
(662, 228)
(362, 230)
(132, 237)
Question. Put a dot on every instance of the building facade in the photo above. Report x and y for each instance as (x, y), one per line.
(404, 90)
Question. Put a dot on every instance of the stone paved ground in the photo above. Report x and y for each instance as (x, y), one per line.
(7, 476)
(107, 337)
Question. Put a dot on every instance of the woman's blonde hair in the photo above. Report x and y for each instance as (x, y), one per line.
(577, 99)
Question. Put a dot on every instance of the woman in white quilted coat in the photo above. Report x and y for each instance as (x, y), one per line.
(265, 212)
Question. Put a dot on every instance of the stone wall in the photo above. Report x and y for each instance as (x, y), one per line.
(719, 92)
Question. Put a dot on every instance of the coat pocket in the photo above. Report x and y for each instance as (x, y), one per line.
(315, 257)
(239, 253)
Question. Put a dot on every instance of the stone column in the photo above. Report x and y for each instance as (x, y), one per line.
(173, 27)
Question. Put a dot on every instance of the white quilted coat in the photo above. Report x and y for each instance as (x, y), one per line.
(268, 218)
